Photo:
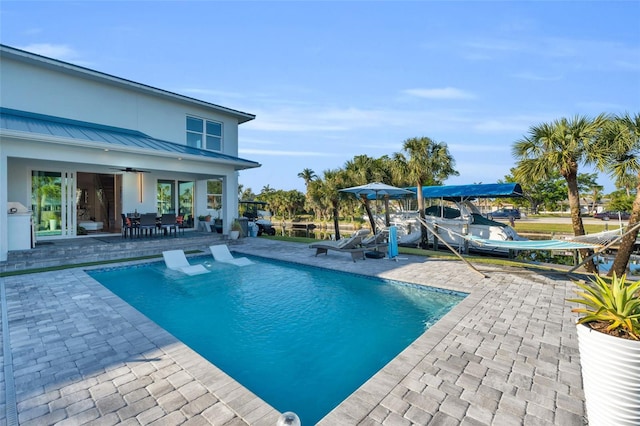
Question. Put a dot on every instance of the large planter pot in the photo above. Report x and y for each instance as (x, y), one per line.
(611, 377)
(234, 235)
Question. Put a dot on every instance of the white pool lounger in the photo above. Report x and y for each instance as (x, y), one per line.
(221, 253)
(176, 260)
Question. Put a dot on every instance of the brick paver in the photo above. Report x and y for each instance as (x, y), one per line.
(507, 354)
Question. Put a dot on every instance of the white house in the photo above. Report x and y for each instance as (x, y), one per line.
(80, 148)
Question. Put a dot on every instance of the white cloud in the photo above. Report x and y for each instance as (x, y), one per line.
(257, 141)
(325, 120)
(210, 92)
(517, 124)
(600, 106)
(627, 65)
(480, 172)
(388, 147)
(58, 51)
(373, 128)
(574, 54)
(476, 147)
(500, 45)
(442, 93)
(33, 31)
(528, 75)
(276, 153)
(283, 121)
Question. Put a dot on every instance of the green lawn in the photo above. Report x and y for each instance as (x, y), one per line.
(558, 228)
(443, 254)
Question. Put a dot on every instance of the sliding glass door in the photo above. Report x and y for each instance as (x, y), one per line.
(53, 203)
(182, 202)
(185, 201)
(166, 196)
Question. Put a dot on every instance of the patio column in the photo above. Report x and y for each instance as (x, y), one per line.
(230, 199)
(4, 219)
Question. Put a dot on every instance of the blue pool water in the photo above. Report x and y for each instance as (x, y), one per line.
(301, 338)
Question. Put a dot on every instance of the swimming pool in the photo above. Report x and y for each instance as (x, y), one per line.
(301, 338)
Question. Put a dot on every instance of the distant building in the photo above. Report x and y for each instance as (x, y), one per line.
(79, 148)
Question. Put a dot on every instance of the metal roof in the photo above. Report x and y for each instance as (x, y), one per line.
(83, 132)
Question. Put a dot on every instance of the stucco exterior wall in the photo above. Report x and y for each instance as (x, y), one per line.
(27, 87)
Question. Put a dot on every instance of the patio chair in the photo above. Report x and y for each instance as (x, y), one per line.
(177, 261)
(168, 223)
(180, 224)
(352, 245)
(378, 239)
(128, 226)
(376, 245)
(147, 223)
(221, 253)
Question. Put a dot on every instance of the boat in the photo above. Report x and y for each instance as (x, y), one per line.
(454, 216)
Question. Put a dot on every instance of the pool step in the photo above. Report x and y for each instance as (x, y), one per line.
(83, 250)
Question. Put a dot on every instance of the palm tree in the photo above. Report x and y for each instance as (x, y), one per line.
(307, 175)
(429, 163)
(313, 200)
(247, 194)
(562, 146)
(267, 189)
(360, 171)
(596, 190)
(627, 182)
(332, 182)
(622, 134)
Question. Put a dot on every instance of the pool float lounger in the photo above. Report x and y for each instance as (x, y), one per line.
(222, 254)
(176, 260)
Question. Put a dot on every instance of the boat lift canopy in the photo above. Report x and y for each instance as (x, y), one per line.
(470, 192)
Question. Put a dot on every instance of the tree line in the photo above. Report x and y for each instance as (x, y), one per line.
(548, 159)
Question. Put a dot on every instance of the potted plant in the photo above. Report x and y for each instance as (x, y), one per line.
(235, 229)
(609, 344)
(205, 221)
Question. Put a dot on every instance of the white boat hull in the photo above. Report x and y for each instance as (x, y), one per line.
(454, 232)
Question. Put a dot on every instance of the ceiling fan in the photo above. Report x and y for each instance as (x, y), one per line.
(130, 170)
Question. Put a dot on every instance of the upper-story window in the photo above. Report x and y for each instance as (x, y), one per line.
(204, 134)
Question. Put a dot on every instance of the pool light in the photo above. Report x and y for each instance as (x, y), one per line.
(288, 419)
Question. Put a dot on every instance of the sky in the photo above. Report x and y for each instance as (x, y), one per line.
(330, 80)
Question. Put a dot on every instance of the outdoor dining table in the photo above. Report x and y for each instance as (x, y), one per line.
(135, 221)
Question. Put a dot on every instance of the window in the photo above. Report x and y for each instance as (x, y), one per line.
(204, 134)
(185, 201)
(214, 194)
(166, 191)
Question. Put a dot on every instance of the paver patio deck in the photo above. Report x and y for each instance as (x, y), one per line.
(506, 355)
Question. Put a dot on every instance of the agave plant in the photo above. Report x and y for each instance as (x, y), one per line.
(616, 304)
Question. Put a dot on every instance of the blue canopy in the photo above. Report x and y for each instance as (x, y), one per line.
(483, 190)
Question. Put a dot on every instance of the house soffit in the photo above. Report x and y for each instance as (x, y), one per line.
(38, 126)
